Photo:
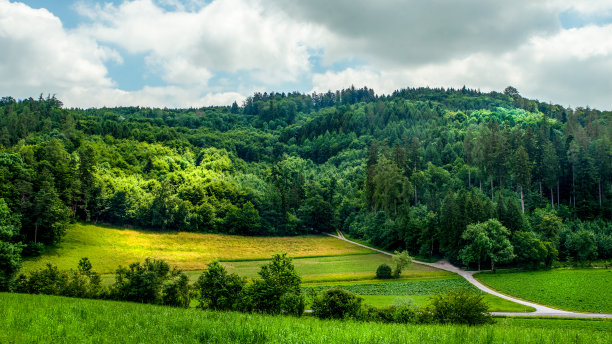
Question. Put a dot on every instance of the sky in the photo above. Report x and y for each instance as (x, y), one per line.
(194, 53)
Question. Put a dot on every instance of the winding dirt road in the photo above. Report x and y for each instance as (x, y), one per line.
(540, 310)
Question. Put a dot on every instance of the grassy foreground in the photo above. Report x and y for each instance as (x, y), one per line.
(585, 290)
(46, 319)
(107, 248)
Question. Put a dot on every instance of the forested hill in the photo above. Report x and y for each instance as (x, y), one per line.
(408, 170)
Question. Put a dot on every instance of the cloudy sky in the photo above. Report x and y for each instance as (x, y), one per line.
(192, 53)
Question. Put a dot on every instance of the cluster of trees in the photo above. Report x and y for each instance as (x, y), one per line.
(153, 281)
(411, 170)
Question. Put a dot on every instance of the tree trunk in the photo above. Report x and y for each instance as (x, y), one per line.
(481, 186)
(522, 201)
(478, 264)
(558, 193)
(492, 265)
(491, 188)
(35, 232)
(469, 176)
(552, 202)
(415, 195)
(540, 188)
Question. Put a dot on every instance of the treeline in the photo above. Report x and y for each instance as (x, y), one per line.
(277, 290)
(410, 170)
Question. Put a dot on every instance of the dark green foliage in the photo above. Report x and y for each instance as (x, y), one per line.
(177, 292)
(406, 171)
(383, 272)
(278, 290)
(459, 306)
(217, 289)
(336, 303)
(151, 282)
(10, 251)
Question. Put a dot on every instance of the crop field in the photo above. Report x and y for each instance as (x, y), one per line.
(107, 248)
(50, 319)
(586, 290)
(385, 293)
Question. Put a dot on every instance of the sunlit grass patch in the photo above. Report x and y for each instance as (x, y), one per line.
(108, 247)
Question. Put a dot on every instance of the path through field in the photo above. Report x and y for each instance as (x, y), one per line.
(542, 311)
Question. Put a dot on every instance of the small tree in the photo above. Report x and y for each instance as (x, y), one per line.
(383, 271)
(487, 240)
(278, 290)
(218, 289)
(478, 245)
(336, 303)
(400, 261)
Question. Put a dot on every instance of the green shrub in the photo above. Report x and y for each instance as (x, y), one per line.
(383, 271)
(217, 289)
(337, 303)
(278, 291)
(459, 306)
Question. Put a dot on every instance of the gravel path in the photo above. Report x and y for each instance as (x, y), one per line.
(541, 311)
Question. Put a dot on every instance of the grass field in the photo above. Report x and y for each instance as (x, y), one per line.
(586, 290)
(338, 268)
(107, 248)
(49, 319)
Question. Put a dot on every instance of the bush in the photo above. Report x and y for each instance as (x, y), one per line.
(151, 282)
(278, 291)
(177, 293)
(459, 306)
(383, 271)
(217, 289)
(337, 303)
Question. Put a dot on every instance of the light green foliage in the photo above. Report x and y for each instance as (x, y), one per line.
(487, 240)
(585, 290)
(401, 260)
(478, 245)
(108, 247)
(30, 318)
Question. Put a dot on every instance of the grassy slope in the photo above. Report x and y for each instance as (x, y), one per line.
(586, 290)
(107, 248)
(353, 267)
(45, 319)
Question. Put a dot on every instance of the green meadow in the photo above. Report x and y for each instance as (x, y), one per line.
(109, 247)
(322, 261)
(583, 290)
(52, 319)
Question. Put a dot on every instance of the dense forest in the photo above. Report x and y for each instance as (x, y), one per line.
(471, 176)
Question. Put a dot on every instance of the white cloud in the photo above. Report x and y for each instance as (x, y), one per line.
(38, 55)
(226, 36)
(211, 53)
(573, 67)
